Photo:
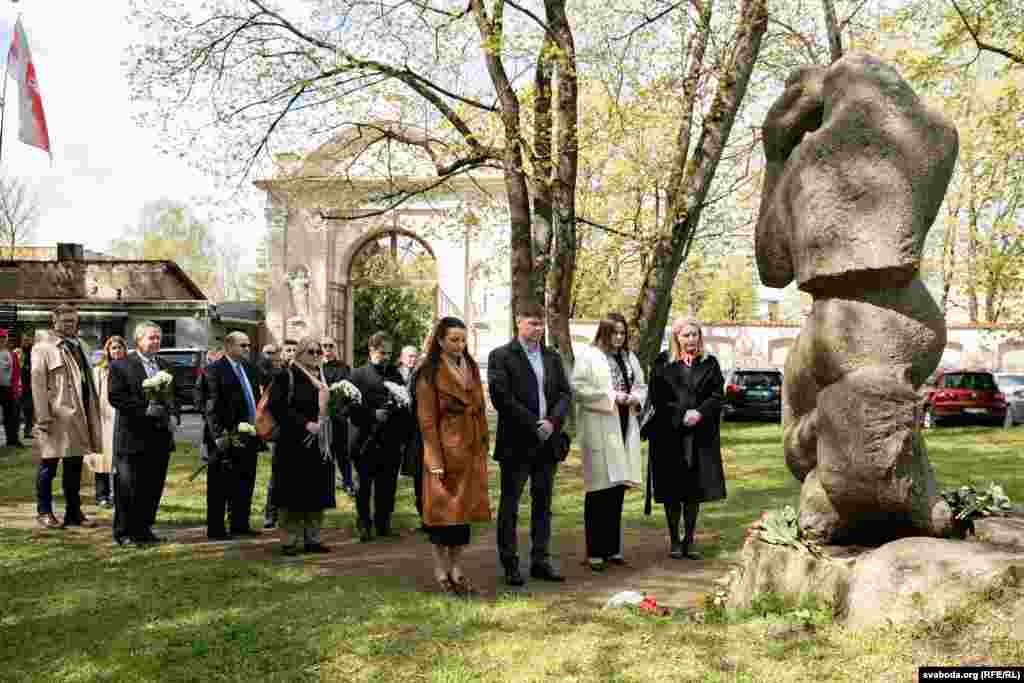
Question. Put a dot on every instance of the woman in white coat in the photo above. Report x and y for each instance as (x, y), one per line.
(609, 388)
(102, 463)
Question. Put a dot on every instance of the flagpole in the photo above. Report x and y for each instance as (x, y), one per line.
(3, 107)
(3, 96)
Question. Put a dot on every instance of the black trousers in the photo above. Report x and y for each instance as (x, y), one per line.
(229, 486)
(339, 449)
(103, 490)
(71, 482)
(541, 473)
(602, 518)
(140, 485)
(378, 478)
(269, 509)
(28, 411)
(10, 408)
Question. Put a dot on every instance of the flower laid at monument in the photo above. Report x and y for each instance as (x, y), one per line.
(344, 395)
(968, 503)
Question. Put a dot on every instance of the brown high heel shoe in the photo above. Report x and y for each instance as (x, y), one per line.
(465, 588)
(447, 586)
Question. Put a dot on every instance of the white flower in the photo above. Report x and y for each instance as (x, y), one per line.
(246, 428)
(348, 390)
(158, 381)
(399, 394)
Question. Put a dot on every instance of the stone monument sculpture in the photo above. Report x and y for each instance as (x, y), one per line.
(857, 166)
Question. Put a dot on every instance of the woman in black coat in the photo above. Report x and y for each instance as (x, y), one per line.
(303, 476)
(686, 391)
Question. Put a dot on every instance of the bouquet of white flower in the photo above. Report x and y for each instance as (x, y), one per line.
(234, 439)
(344, 395)
(159, 391)
(159, 387)
(399, 397)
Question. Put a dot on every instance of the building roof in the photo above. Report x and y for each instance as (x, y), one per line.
(99, 280)
(241, 310)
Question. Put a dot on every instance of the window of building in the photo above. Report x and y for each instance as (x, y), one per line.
(167, 328)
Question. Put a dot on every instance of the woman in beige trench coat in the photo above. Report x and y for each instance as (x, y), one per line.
(609, 388)
(452, 418)
(102, 463)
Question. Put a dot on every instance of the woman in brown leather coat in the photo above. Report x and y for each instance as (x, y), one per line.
(452, 418)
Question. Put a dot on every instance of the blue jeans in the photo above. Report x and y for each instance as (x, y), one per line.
(71, 482)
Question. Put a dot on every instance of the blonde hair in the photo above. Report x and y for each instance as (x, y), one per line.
(305, 344)
(105, 361)
(678, 325)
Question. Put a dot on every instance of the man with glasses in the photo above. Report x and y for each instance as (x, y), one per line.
(335, 370)
(288, 352)
(67, 413)
(233, 390)
(382, 430)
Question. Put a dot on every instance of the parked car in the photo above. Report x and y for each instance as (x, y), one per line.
(1012, 385)
(753, 394)
(969, 395)
(186, 366)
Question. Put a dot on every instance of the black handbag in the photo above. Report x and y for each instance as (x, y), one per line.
(562, 444)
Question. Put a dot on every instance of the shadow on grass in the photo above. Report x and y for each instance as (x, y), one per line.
(84, 613)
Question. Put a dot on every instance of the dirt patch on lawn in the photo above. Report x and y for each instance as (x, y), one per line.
(674, 583)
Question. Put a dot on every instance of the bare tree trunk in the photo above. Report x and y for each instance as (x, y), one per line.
(835, 39)
(543, 233)
(686, 203)
(524, 281)
(563, 262)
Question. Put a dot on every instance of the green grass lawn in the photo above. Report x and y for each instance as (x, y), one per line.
(77, 610)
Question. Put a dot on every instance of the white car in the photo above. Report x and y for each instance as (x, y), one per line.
(1012, 385)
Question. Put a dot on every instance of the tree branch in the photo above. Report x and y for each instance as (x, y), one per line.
(979, 43)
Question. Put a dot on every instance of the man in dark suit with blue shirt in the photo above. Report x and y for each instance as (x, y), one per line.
(143, 440)
(531, 392)
(232, 392)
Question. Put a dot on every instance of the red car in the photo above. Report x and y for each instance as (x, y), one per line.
(964, 395)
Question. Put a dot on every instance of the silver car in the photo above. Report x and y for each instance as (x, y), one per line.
(1012, 384)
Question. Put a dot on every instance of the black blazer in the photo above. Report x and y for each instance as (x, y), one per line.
(134, 431)
(392, 434)
(512, 386)
(225, 398)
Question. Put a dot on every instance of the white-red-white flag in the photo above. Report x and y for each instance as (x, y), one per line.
(32, 129)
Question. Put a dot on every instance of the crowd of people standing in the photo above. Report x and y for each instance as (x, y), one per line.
(115, 419)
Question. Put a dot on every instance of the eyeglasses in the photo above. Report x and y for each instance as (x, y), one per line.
(328, 346)
(315, 352)
(245, 346)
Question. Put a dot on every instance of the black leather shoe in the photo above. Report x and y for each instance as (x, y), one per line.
(545, 572)
(513, 577)
(245, 532)
(48, 521)
(221, 536)
(149, 537)
(78, 520)
(125, 542)
(317, 548)
(269, 524)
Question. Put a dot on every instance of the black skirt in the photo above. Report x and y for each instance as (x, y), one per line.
(451, 536)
